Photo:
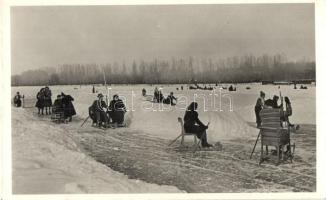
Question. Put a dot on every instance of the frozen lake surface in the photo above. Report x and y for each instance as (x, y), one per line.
(140, 151)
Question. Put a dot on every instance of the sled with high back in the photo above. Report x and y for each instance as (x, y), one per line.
(183, 134)
(274, 133)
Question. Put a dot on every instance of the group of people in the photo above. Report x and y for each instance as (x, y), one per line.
(261, 103)
(104, 115)
(159, 98)
(63, 104)
(44, 100)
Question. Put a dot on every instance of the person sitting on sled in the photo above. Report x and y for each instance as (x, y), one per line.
(273, 103)
(192, 124)
(97, 112)
(117, 110)
(169, 99)
(17, 100)
(57, 106)
(69, 109)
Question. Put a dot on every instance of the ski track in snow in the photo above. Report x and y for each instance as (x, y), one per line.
(149, 158)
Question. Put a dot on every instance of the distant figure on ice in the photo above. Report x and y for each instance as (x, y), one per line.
(40, 101)
(143, 92)
(93, 90)
(17, 100)
(117, 110)
(181, 87)
(69, 109)
(231, 88)
(156, 94)
(97, 112)
(258, 107)
(47, 100)
(192, 124)
(169, 99)
(273, 102)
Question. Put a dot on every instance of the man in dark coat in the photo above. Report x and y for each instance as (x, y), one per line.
(117, 110)
(69, 109)
(192, 124)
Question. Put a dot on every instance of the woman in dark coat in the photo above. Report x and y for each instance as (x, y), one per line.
(47, 100)
(40, 101)
(192, 124)
(117, 110)
(69, 109)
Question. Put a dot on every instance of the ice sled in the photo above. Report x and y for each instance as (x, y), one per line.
(274, 134)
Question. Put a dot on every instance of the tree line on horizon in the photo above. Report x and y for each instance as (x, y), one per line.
(235, 69)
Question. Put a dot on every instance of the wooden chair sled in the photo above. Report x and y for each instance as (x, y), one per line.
(197, 144)
(273, 134)
(57, 117)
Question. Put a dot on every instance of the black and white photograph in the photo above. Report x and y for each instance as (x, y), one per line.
(163, 98)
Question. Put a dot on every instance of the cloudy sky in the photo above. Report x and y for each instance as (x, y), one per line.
(53, 35)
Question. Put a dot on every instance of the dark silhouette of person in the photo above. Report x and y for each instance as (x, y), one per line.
(273, 102)
(40, 101)
(69, 109)
(169, 99)
(117, 110)
(17, 100)
(192, 124)
(258, 107)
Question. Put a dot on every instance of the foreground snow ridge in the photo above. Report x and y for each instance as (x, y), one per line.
(46, 160)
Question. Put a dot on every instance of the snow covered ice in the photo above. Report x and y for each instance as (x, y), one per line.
(51, 158)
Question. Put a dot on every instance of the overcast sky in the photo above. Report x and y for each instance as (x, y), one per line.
(49, 36)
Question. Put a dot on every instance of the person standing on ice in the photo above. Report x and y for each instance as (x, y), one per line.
(40, 101)
(47, 100)
(192, 124)
(260, 103)
(288, 111)
(156, 95)
(143, 92)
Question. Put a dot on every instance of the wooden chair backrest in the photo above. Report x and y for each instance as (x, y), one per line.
(271, 118)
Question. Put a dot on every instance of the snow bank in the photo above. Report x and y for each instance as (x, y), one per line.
(47, 160)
